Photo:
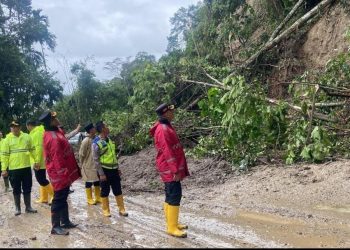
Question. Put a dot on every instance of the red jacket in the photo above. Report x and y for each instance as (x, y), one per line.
(171, 157)
(61, 166)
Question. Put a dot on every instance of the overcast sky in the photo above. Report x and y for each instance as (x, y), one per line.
(106, 29)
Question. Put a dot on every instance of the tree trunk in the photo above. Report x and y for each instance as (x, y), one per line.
(286, 19)
(287, 32)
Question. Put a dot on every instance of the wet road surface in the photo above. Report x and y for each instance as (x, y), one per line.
(145, 226)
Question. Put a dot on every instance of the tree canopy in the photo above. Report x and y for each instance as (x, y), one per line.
(26, 86)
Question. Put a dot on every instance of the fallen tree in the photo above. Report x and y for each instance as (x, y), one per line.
(295, 26)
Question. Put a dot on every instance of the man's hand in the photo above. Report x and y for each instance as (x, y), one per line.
(176, 177)
(4, 173)
(103, 178)
(36, 166)
(78, 127)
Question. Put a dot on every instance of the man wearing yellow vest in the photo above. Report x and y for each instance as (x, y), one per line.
(106, 164)
(16, 150)
(6, 179)
(37, 134)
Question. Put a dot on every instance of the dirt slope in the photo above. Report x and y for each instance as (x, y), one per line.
(310, 51)
(142, 175)
(326, 38)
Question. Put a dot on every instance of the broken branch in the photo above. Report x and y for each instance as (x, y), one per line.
(287, 32)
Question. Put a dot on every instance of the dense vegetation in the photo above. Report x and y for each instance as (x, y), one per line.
(25, 84)
(226, 106)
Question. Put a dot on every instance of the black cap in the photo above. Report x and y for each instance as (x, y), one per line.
(88, 127)
(46, 116)
(14, 124)
(163, 108)
(31, 123)
(99, 125)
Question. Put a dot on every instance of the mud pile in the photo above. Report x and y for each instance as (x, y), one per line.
(140, 175)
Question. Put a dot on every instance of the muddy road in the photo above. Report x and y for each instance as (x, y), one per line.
(270, 207)
(143, 228)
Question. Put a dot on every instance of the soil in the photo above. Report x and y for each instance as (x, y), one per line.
(310, 49)
(272, 206)
(326, 38)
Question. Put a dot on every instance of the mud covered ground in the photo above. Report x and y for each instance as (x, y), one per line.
(270, 206)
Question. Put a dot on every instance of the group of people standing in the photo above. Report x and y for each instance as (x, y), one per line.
(46, 149)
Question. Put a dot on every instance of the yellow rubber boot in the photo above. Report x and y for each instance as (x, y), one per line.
(49, 190)
(179, 226)
(165, 207)
(90, 201)
(105, 206)
(42, 195)
(120, 203)
(173, 217)
(97, 190)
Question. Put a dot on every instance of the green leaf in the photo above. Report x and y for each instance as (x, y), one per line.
(305, 154)
(316, 133)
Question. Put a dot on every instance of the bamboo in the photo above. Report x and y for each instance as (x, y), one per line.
(286, 19)
(296, 25)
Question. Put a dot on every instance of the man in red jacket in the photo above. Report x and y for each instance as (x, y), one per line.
(171, 165)
(62, 170)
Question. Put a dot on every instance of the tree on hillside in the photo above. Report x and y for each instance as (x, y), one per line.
(25, 84)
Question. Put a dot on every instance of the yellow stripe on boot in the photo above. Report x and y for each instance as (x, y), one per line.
(179, 226)
(97, 190)
(173, 217)
(120, 203)
(49, 190)
(42, 195)
(90, 201)
(105, 206)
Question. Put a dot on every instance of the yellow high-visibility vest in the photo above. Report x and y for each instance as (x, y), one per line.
(37, 135)
(108, 157)
(16, 151)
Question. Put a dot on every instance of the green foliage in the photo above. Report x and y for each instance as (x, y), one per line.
(249, 127)
(131, 135)
(236, 122)
(323, 142)
(298, 148)
(146, 84)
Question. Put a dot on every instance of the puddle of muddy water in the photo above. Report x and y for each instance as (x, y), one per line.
(268, 218)
(291, 232)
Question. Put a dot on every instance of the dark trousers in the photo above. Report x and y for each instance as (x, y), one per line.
(89, 184)
(21, 180)
(113, 180)
(173, 193)
(59, 201)
(40, 176)
(6, 181)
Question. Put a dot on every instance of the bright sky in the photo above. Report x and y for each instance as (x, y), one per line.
(106, 29)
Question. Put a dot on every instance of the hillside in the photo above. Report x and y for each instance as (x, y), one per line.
(265, 125)
(311, 50)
